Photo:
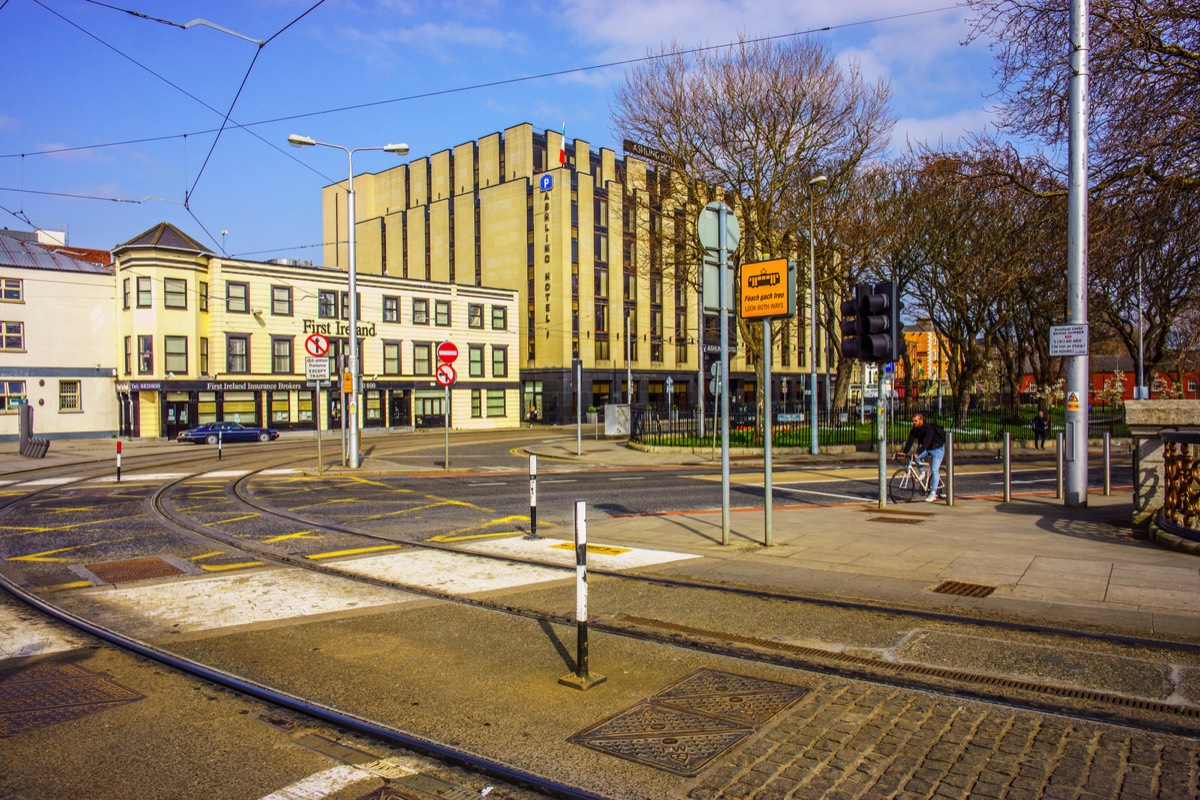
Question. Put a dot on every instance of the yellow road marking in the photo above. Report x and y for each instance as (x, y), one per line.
(438, 504)
(354, 552)
(72, 585)
(202, 556)
(227, 567)
(325, 503)
(286, 536)
(46, 555)
(67, 510)
(67, 527)
(598, 549)
(233, 519)
(461, 535)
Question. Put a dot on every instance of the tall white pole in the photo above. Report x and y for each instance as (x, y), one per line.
(814, 445)
(1076, 454)
(723, 378)
(355, 386)
(628, 363)
(1141, 364)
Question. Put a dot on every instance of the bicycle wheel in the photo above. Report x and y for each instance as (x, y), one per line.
(902, 488)
(942, 481)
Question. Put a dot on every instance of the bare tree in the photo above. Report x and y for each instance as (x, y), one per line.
(1144, 83)
(754, 122)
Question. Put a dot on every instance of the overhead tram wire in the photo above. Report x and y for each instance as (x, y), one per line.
(486, 85)
(179, 89)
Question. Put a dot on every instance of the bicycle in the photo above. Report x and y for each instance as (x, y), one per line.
(913, 478)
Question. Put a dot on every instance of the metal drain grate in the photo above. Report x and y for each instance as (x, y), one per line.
(46, 694)
(960, 589)
(897, 520)
(135, 569)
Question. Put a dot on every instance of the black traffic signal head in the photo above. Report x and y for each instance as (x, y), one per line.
(871, 328)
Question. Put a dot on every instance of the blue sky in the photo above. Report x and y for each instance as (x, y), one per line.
(352, 72)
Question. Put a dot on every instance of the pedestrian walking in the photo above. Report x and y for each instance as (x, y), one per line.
(532, 415)
(1039, 425)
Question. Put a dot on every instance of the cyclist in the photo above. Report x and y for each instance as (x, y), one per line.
(929, 438)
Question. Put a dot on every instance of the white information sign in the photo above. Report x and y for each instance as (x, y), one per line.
(1068, 340)
(316, 369)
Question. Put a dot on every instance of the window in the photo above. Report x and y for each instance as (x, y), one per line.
(175, 355)
(475, 360)
(145, 355)
(391, 358)
(281, 301)
(280, 410)
(441, 313)
(237, 297)
(281, 355)
(203, 292)
(420, 311)
(237, 354)
(499, 361)
(495, 403)
(128, 355)
(12, 291)
(327, 304)
(144, 297)
(475, 315)
(12, 394)
(174, 293)
(345, 303)
(499, 318)
(476, 403)
(12, 337)
(203, 356)
(69, 396)
(422, 358)
(391, 309)
(125, 293)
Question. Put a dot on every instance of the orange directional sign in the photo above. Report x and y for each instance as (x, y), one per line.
(766, 290)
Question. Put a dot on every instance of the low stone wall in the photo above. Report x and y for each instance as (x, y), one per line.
(1146, 419)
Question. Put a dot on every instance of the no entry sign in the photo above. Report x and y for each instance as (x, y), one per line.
(447, 352)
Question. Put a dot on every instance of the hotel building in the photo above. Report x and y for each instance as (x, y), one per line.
(591, 247)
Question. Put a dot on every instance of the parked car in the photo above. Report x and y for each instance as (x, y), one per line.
(209, 432)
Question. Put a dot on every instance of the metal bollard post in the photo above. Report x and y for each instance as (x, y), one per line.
(950, 468)
(118, 461)
(1007, 467)
(1107, 463)
(581, 678)
(532, 497)
(1058, 466)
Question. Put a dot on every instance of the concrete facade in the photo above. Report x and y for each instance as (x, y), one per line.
(590, 248)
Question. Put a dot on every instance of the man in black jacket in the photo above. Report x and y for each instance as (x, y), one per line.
(928, 438)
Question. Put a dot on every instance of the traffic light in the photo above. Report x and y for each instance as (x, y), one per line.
(871, 328)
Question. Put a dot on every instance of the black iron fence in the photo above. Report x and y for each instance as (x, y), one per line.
(854, 426)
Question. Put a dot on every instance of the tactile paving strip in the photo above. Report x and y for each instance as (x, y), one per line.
(686, 726)
(46, 694)
(134, 569)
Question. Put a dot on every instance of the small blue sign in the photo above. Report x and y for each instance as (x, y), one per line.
(546, 182)
(889, 368)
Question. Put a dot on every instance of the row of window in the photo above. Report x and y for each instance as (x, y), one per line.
(331, 304)
(12, 394)
(237, 356)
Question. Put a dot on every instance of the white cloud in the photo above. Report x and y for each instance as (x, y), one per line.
(948, 129)
(439, 40)
(8, 123)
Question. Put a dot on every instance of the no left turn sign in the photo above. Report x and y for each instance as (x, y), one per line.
(446, 375)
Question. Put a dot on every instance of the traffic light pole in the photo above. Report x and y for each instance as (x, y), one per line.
(723, 247)
(881, 433)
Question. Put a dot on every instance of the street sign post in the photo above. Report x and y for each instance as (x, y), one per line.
(445, 375)
(768, 290)
(316, 368)
(316, 345)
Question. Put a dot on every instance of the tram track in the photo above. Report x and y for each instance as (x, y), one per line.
(1094, 706)
(1043, 696)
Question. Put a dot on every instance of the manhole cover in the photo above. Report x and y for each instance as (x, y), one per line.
(686, 726)
(47, 694)
(135, 569)
(964, 589)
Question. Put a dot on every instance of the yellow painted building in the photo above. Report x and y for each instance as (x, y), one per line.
(588, 246)
(202, 338)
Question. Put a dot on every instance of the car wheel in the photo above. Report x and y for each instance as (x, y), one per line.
(264, 437)
(210, 439)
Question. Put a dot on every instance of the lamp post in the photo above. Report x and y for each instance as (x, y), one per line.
(351, 412)
(812, 317)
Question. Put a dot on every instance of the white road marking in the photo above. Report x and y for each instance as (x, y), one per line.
(493, 483)
(560, 480)
(322, 784)
(639, 478)
(823, 494)
(47, 482)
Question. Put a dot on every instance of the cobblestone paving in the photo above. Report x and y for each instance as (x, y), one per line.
(861, 741)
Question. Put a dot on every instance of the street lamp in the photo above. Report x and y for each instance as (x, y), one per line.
(812, 317)
(350, 413)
